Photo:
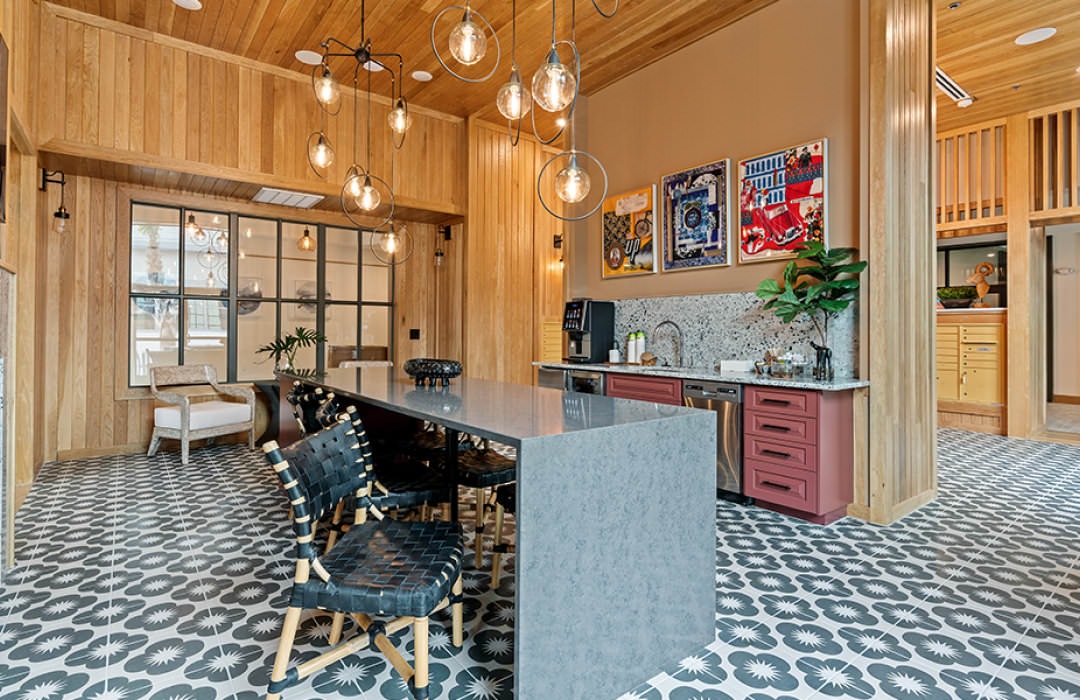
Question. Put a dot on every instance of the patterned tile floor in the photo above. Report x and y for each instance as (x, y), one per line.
(170, 588)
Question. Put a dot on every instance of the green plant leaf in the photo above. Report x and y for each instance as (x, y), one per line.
(768, 288)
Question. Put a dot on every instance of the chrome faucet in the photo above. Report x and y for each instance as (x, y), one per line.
(678, 339)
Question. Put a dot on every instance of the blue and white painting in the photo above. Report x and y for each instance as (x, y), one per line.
(697, 231)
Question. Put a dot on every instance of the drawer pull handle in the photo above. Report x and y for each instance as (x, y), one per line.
(778, 453)
(771, 484)
(770, 426)
(778, 402)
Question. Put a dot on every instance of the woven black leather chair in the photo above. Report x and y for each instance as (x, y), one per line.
(505, 502)
(405, 571)
(306, 401)
(482, 468)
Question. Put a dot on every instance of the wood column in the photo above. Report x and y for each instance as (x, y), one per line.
(903, 442)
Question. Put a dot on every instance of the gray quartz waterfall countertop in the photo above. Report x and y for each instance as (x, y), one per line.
(706, 374)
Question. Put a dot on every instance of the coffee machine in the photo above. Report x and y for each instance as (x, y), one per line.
(590, 326)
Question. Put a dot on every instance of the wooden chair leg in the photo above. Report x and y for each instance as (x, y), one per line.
(335, 629)
(420, 663)
(155, 443)
(335, 522)
(496, 555)
(251, 438)
(457, 614)
(478, 540)
(285, 643)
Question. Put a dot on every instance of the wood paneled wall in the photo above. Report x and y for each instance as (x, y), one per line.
(512, 278)
(116, 93)
(903, 473)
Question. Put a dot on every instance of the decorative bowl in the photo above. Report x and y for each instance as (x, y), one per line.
(426, 370)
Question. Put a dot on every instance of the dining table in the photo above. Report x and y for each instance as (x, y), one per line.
(615, 531)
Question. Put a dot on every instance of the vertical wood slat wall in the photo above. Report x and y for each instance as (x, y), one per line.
(902, 429)
(512, 278)
(971, 186)
(1054, 152)
(121, 94)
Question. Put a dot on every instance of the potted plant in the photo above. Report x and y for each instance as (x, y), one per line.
(820, 289)
(286, 346)
(957, 297)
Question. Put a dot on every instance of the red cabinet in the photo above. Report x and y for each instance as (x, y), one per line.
(799, 451)
(654, 389)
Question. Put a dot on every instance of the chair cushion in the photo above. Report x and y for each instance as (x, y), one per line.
(410, 484)
(205, 414)
(387, 567)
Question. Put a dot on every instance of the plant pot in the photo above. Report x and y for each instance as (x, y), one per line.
(956, 303)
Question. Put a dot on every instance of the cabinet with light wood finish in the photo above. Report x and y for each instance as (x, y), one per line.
(971, 369)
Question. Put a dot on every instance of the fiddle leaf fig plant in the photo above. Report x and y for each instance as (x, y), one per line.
(820, 288)
(287, 345)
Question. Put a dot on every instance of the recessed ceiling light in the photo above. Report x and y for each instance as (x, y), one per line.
(1035, 36)
(373, 66)
(423, 76)
(312, 58)
(953, 5)
(188, 4)
(1016, 86)
(966, 102)
(1078, 69)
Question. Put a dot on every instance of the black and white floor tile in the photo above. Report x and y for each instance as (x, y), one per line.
(141, 578)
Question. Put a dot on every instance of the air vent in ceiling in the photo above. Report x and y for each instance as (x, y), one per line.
(949, 86)
(287, 198)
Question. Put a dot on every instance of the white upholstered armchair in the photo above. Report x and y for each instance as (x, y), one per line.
(185, 420)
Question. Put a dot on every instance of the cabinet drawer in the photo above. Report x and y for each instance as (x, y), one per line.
(787, 401)
(652, 389)
(944, 331)
(784, 487)
(981, 334)
(789, 454)
(775, 427)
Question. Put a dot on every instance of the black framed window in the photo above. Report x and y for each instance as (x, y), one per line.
(955, 264)
(212, 287)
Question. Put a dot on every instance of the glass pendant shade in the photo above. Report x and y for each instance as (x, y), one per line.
(61, 217)
(513, 100)
(553, 84)
(467, 41)
(194, 231)
(354, 184)
(399, 117)
(221, 242)
(326, 88)
(321, 153)
(572, 183)
(306, 242)
(369, 197)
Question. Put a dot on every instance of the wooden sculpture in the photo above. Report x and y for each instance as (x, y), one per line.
(982, 287)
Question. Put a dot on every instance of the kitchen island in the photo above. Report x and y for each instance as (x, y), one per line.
(615, 530)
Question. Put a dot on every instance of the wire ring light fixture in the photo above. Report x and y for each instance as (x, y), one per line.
(469, 37)
(554, 53)
(392, 246)
(573, 156)
(355, 208)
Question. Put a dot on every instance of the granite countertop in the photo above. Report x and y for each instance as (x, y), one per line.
(706, 374)
(969, 310)
(507, 413)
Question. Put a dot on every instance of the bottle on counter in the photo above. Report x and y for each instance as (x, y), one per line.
(613, 354)
(641, 344)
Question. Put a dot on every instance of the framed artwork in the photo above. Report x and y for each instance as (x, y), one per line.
(697, 229)
(629, 227)
(782, 201)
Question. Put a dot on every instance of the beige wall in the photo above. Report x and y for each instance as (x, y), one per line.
(782, 76)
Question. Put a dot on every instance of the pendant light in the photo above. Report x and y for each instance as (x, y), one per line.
(61, 217)
(554, 86)
(327, 90)
(467, 42)
(194, 231)
(572, 183)
(513, 99)
(392, 246)
(306, 243)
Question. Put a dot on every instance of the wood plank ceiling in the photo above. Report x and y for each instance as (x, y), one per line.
(975, 46)
(272, 31)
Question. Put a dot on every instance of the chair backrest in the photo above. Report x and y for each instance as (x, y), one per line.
(305, 402)
(318, 472)
(327, 412)
(168, 375)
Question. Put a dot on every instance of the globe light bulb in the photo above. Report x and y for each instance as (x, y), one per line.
(572, 184)
(467, 41)
(194, 231)
(399, 117)
(306, 242)
(513, 100)
(210, 278)
(390, 242)
(369, 197)
(354, 184)
(321, 153)
(553, 84)
(326, 88)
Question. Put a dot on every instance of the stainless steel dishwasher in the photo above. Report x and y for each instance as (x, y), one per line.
(726, 401)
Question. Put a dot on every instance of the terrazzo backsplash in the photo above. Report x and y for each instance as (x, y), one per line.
(730, 327)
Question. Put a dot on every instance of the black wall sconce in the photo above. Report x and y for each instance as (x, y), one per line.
(61, 215)
(556, 243)
(443, 235)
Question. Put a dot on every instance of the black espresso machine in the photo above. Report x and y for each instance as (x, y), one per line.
(590, 326)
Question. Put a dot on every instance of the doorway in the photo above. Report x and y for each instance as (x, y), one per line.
(1063, 328)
